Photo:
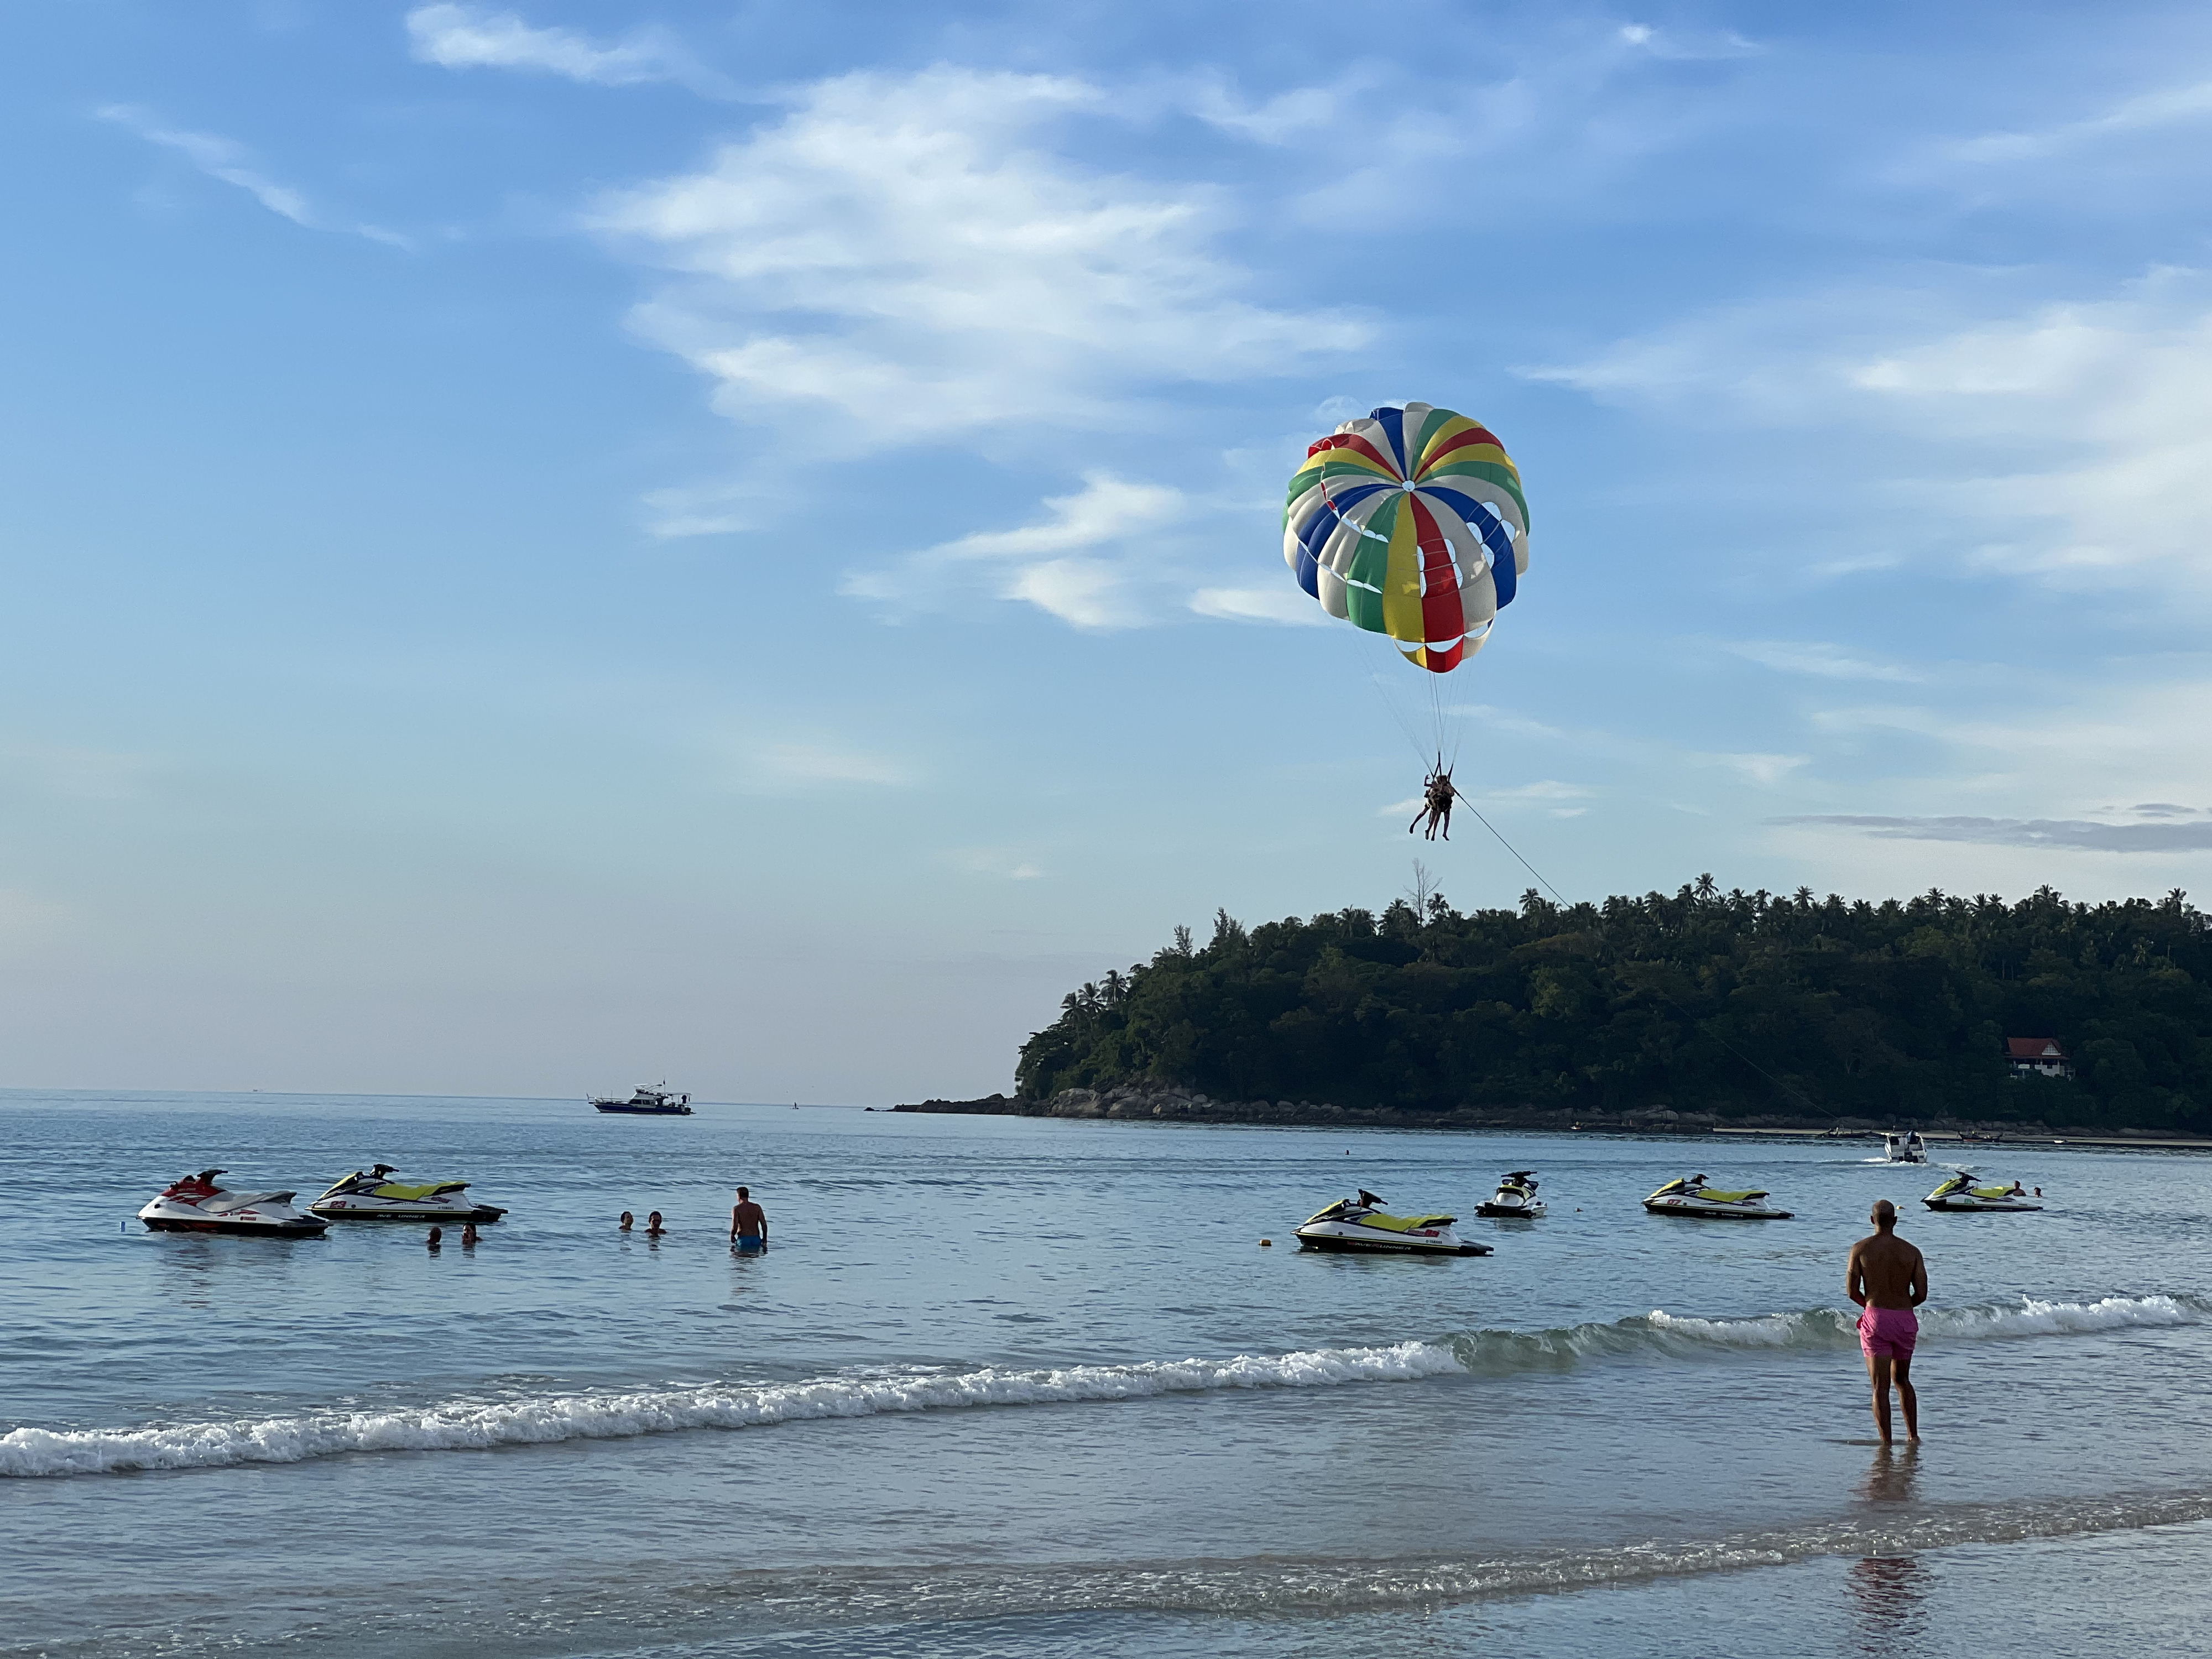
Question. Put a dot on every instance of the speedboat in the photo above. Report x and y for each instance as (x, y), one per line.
(1362, 1225)
(195, 1205)
(647, 1102)
(1906, 1148)
(1693, 1197)
(373, 1195)
(1960, 1193)
(1516, 1197)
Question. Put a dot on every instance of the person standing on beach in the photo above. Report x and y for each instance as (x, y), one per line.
(1888, 1279)
(748, 1223)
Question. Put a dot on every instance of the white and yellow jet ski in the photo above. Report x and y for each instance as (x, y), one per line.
(373, 1196)
(1693, 1197)
(1960, 1193)
(1362, 1225)
(1516, 1199)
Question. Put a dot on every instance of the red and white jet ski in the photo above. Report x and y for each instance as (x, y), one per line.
(197, 1205)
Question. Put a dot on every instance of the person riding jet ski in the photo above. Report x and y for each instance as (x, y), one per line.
(373, 1195)
(1516, 1198)
(1692, 1197)
(1362, 1225)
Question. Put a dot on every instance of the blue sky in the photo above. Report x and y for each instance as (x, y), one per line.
(555, 546)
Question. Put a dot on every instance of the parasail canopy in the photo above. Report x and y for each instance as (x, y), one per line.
(1411, 523)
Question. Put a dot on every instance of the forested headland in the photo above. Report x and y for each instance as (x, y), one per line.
(1732, 1003)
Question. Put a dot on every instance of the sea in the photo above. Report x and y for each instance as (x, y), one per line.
(1004, 1386)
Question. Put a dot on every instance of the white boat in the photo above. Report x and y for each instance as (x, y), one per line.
(1362, 1225)
(1692, 1197)
(1903, 1147)
(646, 1103)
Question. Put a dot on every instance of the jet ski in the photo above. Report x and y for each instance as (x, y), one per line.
(373, 1195)
(1362, 1225)
(195, 1205)
(1516, 1197)
(1906, 1148)
(1693, 1197)
(1960, 1193)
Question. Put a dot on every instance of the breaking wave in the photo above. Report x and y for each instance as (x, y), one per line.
(459, 1426)
(536, 1419)
(1664, 1335)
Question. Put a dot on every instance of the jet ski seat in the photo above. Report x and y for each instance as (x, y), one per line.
(1720, 1197)
(1401, 1224)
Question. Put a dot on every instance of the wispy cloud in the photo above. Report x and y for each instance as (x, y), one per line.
(2069, 442)
(1819, 659)
(1052, 564)
(2080, 834)
(797, 766)
(1764, 770)
(942, 273)
(2147, 111)
(476, 37)
(1700, 46)
(1270, 602)
(224, 160)
(1006, 863)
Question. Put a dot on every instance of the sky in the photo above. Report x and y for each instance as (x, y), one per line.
(553, 547)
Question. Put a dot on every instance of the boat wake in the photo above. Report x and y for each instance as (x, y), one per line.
(467, 1424)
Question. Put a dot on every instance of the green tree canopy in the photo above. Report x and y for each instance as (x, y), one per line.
(1737, 1003)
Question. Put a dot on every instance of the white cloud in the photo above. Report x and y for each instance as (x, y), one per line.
(1273, 602)
(1276, 120)
(799, 766)
(1765, 770)
(1053, 563)
(476, 37)
(1006, 863)
(2147, 111)
(1673, 46)
(2071, 442)
(2081, 435)
(941, 273)
(1088, 592)
(221, 159)
(1819, 659)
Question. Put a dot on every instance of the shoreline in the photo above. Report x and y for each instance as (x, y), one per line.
(1131, 1103)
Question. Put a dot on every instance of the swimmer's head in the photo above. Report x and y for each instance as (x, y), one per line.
(1884, 1214)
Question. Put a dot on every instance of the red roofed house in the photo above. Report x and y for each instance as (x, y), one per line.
(2038, 1057)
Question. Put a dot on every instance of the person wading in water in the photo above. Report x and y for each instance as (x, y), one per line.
(1888, 1279)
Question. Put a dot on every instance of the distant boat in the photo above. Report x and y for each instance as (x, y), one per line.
(648, 1103)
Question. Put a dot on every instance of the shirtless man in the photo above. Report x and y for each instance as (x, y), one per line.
(748, 1223)
(1888, 1278)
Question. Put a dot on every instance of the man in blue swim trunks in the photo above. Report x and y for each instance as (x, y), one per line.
(1888, 1279)
(748, 1223)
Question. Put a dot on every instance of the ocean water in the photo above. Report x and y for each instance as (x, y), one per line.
(1001, 1386)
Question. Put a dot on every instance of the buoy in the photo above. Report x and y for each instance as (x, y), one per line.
(1267, 1243)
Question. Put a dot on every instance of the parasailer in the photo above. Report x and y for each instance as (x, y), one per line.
(1437, 795)
(1411, 523)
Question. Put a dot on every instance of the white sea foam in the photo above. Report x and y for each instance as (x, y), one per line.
(474, 1424)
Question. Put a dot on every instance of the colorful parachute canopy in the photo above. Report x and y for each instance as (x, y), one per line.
(1411, 523)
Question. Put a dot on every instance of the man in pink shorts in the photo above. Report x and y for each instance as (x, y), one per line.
(1888, 1279)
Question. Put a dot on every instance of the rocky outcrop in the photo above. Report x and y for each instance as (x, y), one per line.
(1167, 1103)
